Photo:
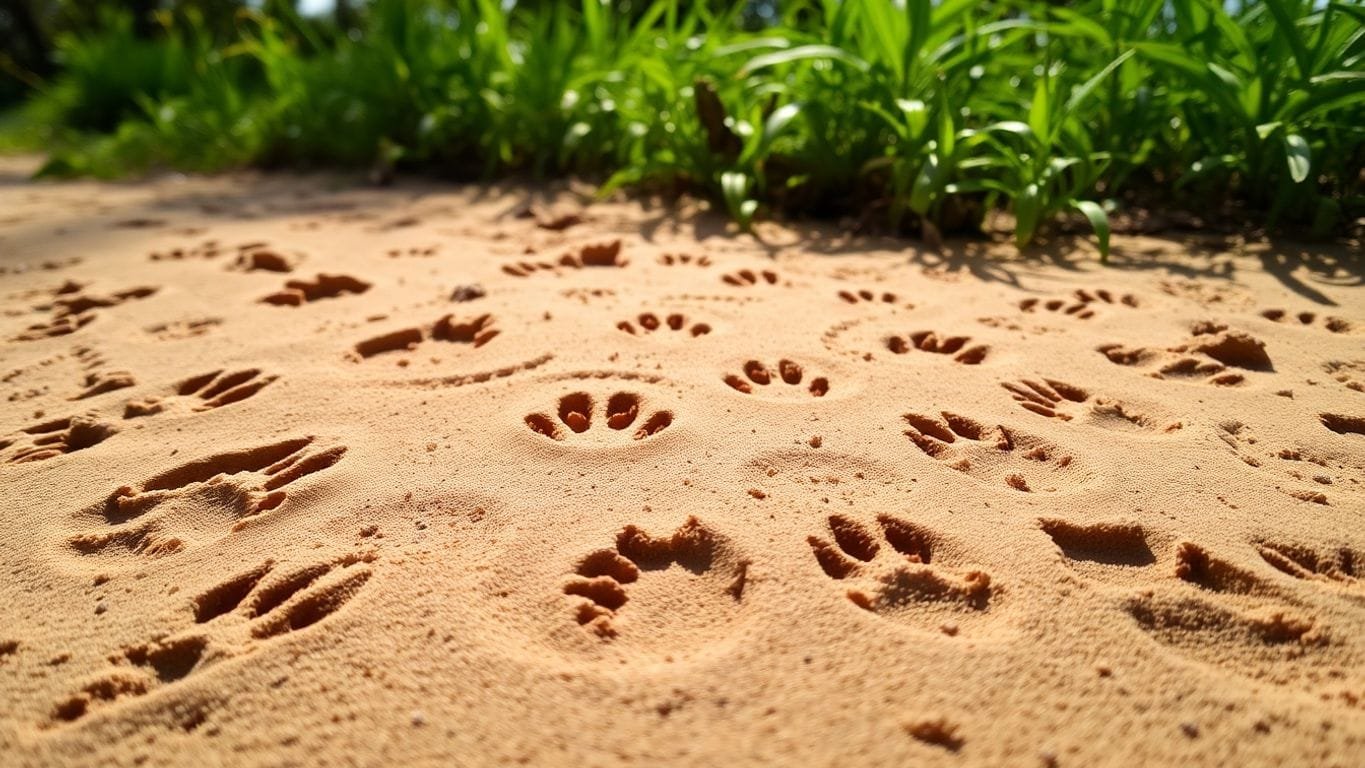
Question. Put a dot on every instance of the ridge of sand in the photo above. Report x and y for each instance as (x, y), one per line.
(298, 472)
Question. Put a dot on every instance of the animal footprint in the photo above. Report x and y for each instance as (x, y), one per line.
(199, 501)
(299, 292)
(183, 329)
(99, 381)
(747, 277)
(475, 332)
(867, 297)
(235, 618)
(649, 322)
(54, 438)
(928, 341)
(788, 373)
(72, 308)
(1080, 305)
(1053, 399)
(895, 572)
(619, 413)
(1340, 565)
(1308, 319)
(594, 255)
(204, 392)
(990, 453)
(692, 577)
(1305, 464)
(683, 260)
(1207, 356)
(1351, 373)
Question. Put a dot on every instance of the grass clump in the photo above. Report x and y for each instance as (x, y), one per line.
(926, 114)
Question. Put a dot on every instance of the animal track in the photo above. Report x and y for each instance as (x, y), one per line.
(99, 381)
(867, 297)
(1305, 464)
(54, 438)
(183, 329)
(691, 576)
(197, 501)
(788, 372)
(475, 332)
(1342, 424)
(619, 413)
(1351, 373)
(1080, 305)
(683, 260)
(1109, 552)
(1308, 319)
(204, 392)
(235, 618)
(1053, 399)
(747, 277)
(896, 573)
(299, 292)
(1339, 565)
(1207, 356)
(928, 341)
(71, 309)
(990, 453)
(594, 255)
(649, 322)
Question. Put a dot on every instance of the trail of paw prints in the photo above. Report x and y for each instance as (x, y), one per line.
(618, 418)
(896, 572)
(662, 585)
(197, 502)
(1082, 304)
(1311, 464)
(71, 308)
(1058, 400)
(1204, 608)
(205, 392)
(959, 347)
(647, 323)
(606, 254)
(684, 260)
(234, 619)
(788, 381)
(296, 293)
(1206, 357)
(474, 332)
(54, 438)
(1308, 320)
(992, 453)
(747, 278)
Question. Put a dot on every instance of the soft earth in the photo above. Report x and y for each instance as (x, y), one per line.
(298, 471)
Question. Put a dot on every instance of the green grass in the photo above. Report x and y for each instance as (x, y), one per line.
(929, 114)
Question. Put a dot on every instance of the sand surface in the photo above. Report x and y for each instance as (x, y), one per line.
(298, 471)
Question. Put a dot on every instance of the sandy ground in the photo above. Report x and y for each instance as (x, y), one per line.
(297, 471)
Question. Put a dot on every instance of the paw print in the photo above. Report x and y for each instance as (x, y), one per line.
(204, 393)
(55, 438)
(928, 341)
(475, 332)
(788, 372)
(894, 572)
(747, 277)
(683, 260)
(692, 568)
(237, 617)
(1308, 320)
(619, 413)
(649, 323)
(1081, 304)
(200, 501)
(990, 453)
(1046, 397)
(867, 297)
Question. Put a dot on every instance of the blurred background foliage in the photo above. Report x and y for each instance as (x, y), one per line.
(922, 115)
